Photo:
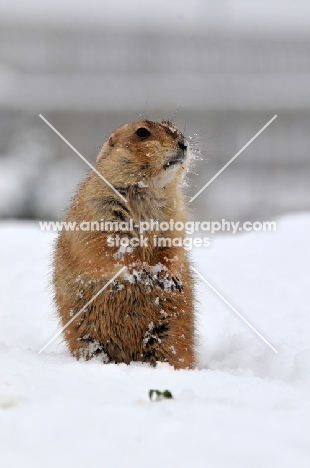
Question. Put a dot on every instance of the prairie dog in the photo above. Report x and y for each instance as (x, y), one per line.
(147, 313)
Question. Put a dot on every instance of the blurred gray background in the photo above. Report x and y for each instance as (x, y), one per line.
(219, 69)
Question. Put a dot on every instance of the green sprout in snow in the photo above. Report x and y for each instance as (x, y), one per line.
(158, 395)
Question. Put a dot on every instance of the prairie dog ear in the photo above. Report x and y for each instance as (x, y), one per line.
(111, 141)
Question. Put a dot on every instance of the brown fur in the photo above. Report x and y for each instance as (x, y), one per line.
(147, 313)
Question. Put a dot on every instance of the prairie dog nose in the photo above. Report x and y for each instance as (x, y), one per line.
(182, 145)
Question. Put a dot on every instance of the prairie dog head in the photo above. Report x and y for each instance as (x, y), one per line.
(145, 153)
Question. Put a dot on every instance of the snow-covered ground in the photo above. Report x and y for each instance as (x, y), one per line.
(245, 406)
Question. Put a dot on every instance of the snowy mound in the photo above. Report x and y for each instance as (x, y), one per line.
(246, 406)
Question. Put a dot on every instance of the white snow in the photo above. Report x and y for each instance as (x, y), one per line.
(245, 406)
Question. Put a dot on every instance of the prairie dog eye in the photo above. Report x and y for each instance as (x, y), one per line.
(143, 132)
